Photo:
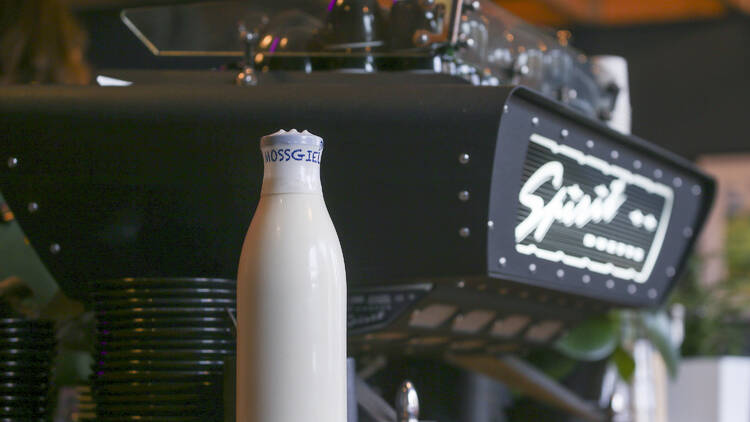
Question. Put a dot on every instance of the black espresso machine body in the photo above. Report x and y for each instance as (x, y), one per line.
(423, 183)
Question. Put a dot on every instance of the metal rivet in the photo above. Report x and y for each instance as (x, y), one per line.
(658, 173)
(696, 189)
(463, 196)
(687, 232)
(524, 70)
(677, 182)
(535, 121)
(586, 278)
(33, 207)
(490, 224)
(560, 273)
(54, 248)
(464, 232)
(671, 271)
(12, 162)
(652, 293)
(461, 284)
(564, 133)
(464, 158)
(532, 267)
(505, 108)
(632, 289)
(637, 164)
(614, 154)
(502, 261)
(610, 284)
(589, 144)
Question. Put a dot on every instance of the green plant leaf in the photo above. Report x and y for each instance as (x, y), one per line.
(592, 340)
(657, 330)
(551, 362)
(624, 362)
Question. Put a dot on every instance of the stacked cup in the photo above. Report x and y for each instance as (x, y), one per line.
(27, 349)
(161, 347)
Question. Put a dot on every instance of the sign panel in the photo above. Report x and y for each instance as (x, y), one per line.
(583, 212)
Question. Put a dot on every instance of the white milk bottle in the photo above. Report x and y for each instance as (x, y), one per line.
(291, 294)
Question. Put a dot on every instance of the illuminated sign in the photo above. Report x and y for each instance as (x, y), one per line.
(581, 211)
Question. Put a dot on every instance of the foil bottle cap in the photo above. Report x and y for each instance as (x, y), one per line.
(291, 137)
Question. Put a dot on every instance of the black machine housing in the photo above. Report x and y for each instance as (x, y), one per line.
(422, 182)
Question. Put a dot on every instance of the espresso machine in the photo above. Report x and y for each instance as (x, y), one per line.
(482, 201)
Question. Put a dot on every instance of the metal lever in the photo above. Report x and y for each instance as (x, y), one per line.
(407, 403)
(247, 76)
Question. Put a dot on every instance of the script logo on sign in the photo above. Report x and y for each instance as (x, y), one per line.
(584, 212)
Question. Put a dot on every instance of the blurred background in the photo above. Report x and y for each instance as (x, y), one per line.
(688, 72)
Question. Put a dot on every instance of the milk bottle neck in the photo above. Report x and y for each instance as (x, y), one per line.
(291, 163)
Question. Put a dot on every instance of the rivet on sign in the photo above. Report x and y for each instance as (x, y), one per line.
(12, 162)
(564, 133)
(687, 232)
(658, 173)
(535, 121)
(461, 284)
(614, 154)
(490, 224)
(589, 144)
(54, 248)
(610, 284)
(502, 261)
(652, 293)
(677, 182)
(560, 273)
(505, 108)
(463, 196)
(464, 158)
(33, 207)
(586, 278)
(637, 164)
(671, 271)
(532, 267)
(696, 190)
(464, 232)
(632, 289)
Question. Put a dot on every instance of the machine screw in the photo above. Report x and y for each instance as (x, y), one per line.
(472, 5)
(464, 158)
(12, 162)
(33, 207)
(463, 196)
(54, 248)
(407, 403)
(464, 232)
